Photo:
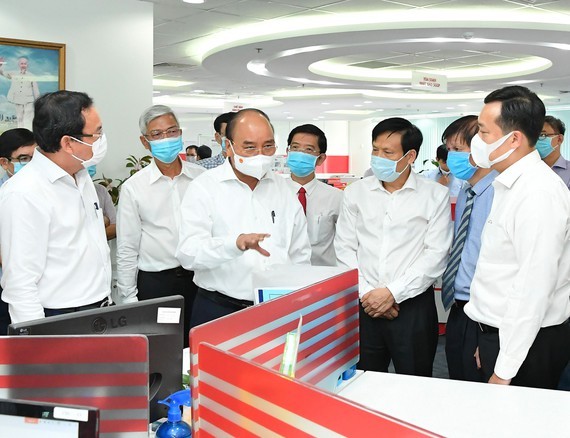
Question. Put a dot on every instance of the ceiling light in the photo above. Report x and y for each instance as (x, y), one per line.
(197, 2)
(367, 101)
(169, 83)
(325, 103)
(351, 112)
(358, 105)
(198, 91)
(289, 117)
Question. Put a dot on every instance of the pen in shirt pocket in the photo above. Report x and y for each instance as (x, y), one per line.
(273, 216)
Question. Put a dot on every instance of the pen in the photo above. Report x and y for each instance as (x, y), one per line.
(273, 216)
(96, 206)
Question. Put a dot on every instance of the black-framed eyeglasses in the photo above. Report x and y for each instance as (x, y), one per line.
(159, 135)
(544, 135)
(22, 159)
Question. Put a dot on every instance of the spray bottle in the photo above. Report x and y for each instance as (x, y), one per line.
(174, 427)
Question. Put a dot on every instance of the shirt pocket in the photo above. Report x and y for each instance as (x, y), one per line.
(321, 227)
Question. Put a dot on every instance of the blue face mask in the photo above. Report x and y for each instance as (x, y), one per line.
(458, 163)
(18, 166)
(385, 169)
(223, 144)
(544, 147)
(92, 170)
(301, 164)
(166, 149)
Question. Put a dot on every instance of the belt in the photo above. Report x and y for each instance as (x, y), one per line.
(460, 303)
(224, 300)
(179, 271)
(102, 303)
(487, 328)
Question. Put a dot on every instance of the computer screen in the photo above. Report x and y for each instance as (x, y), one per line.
(23, 418)
(160, 319)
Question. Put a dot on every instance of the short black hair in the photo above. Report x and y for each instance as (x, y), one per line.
(204, 152)
(192, 146)
(412, 137)
(556, 124)
(441, 153)
(221, 119)
(13, 139)
(238, 116)
(58, 114)
(464, 128)
(313, 130)
(521, 110)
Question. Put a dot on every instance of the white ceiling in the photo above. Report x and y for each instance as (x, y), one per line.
(212, 44)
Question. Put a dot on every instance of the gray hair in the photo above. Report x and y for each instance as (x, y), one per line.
(152, 113)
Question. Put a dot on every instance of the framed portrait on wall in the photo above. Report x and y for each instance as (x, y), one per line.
(28, 69)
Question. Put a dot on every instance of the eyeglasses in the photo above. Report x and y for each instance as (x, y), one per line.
(22, 159)
(542, 136)
(96, 136)
(168, 133)
(251, 150)
(307, 150)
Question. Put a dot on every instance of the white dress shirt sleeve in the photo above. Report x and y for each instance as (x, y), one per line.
(24, 231)
(540, 225)
(346, 240)
(197, 247)
(129, 232)
(431, 262)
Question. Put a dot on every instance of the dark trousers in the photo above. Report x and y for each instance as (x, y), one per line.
(409, 341)
(544, 362)
(210, 305)
(4, 316)
(176, 281)
(54, 312)
(461, 340)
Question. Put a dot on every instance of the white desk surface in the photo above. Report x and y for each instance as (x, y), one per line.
(464, 409)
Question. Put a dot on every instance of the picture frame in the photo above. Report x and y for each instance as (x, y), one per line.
(28, 69)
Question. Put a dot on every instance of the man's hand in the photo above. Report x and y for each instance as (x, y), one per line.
(106, 221)
(377, 302)
(498, 381)
(477, 359)
(251, 241)
(392, 312)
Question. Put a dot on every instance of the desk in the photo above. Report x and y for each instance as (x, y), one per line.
(464, 409)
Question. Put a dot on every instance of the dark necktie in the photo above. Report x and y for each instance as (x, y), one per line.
(447, 289)
(301, 194)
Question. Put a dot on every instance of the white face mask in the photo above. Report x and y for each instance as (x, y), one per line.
(480, 151)
(99, 151)
(256, 166)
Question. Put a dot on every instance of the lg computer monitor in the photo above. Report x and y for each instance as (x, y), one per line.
(160, 319)
(33, 419)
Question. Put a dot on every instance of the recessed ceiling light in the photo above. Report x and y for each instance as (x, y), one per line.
(449, 107)
(321, 117)
(367, 101)
(462, 104)
(290, 117)
(358, 105)
(169, 83)
(198, 91)
(193, 1)
(325, 103)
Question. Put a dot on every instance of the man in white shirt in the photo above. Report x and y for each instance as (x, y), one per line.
(220, 124)
(520, 290)
(16, 150)
(238, 218)
(54, 251)
(442, 173)
(395, 227)
(148, 218)
(307, 148)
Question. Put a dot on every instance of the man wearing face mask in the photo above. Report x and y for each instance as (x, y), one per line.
(55, 254)
(148, 219)
(320, 202)
(252, 221)
(106, 205)
(16, 150)
(548, 146)
(395, 227)
(220, 124)
(519, 293)
(442, 174)
(192, 153)
(471, 211)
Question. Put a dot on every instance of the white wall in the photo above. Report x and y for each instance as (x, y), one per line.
(109, 55)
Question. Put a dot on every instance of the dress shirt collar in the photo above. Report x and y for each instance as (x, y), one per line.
(375, 184)
(47, 167)
(484, 183)
(561, 162)
(515, 170)
(156, 174)
(309, 187)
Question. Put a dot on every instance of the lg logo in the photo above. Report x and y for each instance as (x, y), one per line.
(100, 325)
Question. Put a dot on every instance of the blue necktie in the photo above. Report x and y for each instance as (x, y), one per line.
(447, 289)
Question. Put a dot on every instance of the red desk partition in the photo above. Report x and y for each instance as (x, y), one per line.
(107, 372)
(329, 338)
(241, 398)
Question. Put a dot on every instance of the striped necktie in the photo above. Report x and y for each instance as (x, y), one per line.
(447, 289)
